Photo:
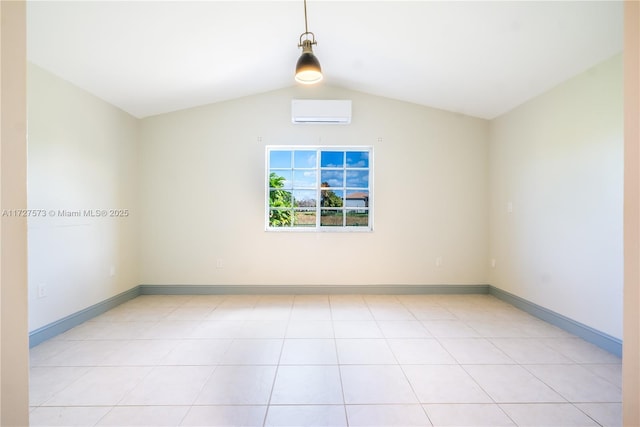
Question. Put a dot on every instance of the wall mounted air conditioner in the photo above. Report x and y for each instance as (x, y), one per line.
(331, 111)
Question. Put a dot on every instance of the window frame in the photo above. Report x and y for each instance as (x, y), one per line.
(318, 208)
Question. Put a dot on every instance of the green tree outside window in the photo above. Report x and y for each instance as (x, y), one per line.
(279, 199)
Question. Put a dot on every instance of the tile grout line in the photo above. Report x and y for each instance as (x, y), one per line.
(215, 367)
(275, 376)
(404, 373)
(335, 346)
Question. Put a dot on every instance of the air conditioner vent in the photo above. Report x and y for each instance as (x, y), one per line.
(325, 111)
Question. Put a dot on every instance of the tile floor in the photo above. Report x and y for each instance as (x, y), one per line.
(322, 360)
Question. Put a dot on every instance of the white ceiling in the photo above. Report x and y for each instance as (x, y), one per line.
(477, 58)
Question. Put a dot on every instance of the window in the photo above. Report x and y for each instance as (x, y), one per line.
(319, 188)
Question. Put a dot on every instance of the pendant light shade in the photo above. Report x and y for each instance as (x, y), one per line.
(308, 69)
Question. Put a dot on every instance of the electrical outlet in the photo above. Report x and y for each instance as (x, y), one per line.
(219, 263)
(112, 271)
(42, 290)
(439, 261)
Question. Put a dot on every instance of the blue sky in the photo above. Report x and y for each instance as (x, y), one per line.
(288, 164)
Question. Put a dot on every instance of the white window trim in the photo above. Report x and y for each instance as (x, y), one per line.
(318, 228)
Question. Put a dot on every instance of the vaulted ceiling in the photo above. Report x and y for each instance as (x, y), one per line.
(478, 58)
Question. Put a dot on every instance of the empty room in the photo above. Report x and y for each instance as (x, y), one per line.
(322, 213)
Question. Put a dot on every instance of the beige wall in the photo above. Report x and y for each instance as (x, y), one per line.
(556, 193)
(202, 195)
(14, 356)
(631, 350)
(82, 157)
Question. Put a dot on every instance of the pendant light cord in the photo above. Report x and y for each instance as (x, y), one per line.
(306, 33)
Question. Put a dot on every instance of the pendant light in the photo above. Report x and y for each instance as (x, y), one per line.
(308, 69)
